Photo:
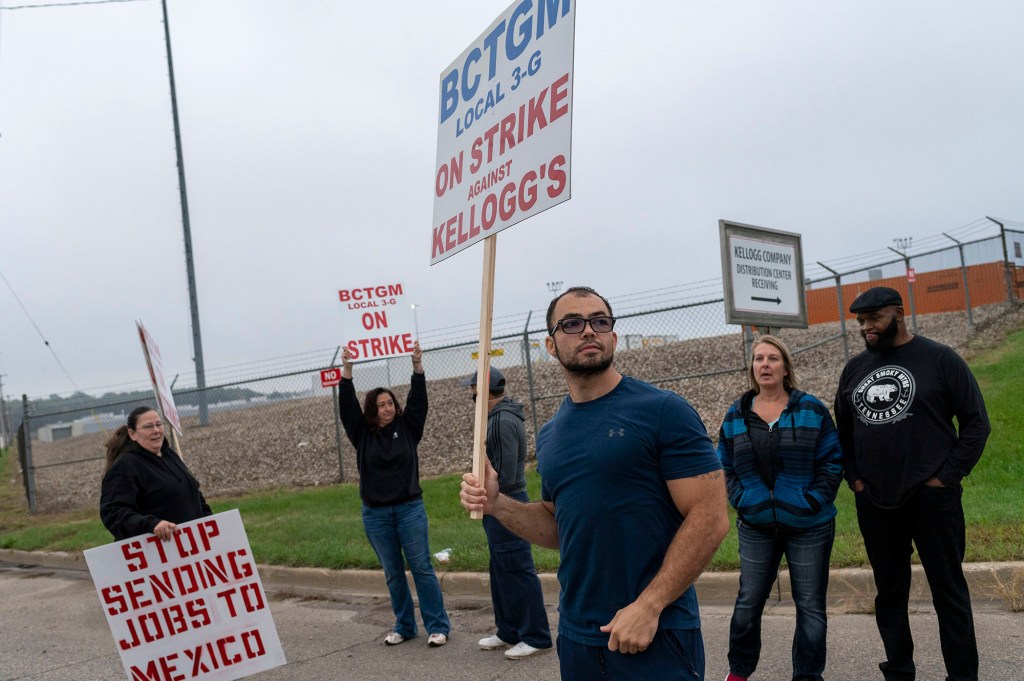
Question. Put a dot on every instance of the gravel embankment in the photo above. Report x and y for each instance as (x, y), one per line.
(293, 444)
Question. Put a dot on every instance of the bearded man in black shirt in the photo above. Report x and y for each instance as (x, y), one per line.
(904, 459)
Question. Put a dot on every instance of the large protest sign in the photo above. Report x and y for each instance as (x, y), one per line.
(164, 398)
(189, 608)
(504, 142)
(505, 126)
(377, 321)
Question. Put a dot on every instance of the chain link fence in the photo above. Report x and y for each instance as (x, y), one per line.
(281, 430)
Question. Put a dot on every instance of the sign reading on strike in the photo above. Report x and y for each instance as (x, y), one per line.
(164, 398)
(189, 608)
(330, 377)
(505, 126)
(377, 321)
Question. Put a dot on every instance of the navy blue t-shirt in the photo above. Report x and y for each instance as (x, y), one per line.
(603, 465)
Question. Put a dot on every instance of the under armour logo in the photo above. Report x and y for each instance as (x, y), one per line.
(621, 432)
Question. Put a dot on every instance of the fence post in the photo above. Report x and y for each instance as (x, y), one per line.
(335, 399)
(910, 287)
(337, 432)
(529, 374)
(842, 309)
(1007, 272)
(967, 288)
(748, 343)
(27, 469)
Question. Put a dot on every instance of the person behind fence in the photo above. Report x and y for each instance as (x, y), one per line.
(516, 595)
(385, 438)
(904, 459)
(782, 461)
(147, 487)
(633, 497)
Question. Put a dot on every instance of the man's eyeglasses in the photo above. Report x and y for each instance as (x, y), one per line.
(151, 426)
(575, 325)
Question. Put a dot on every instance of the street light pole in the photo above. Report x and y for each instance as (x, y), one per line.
(193, 299)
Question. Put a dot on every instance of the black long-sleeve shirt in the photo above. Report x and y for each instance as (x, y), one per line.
(388, 463)
(141, 489)
(894, 413)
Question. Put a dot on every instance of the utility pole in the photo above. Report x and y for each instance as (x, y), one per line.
(5, 430)
(197, 341)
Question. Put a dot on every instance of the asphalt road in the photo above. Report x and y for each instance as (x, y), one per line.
(53, 630)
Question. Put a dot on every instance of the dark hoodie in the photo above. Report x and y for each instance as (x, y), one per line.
(141, 489)
(506, 445)
(786, 475)
(388, 462)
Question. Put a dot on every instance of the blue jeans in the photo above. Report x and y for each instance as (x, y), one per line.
(516, 593)
(807, 553)
(674, 655)
(392, 530)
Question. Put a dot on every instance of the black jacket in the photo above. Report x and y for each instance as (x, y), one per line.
(389, 465)
(141, 489)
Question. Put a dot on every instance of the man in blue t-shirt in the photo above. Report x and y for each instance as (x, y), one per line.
(634, 499)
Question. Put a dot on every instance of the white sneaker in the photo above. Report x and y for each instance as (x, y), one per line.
(437, 640)
(492, 643)
(393, 639)
(521, 650)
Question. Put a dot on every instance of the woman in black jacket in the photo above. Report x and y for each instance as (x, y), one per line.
(147, 487)
(395, 521)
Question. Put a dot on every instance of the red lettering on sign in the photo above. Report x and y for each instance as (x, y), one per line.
(537, 114)
(158, 670)
(369, 348)
(370, 292)
(374, 320)
(136, 557)
(170, 621)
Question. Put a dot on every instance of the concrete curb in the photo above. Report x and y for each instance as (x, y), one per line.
(849, 588)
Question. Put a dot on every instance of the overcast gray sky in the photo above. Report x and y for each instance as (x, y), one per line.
(309, 132)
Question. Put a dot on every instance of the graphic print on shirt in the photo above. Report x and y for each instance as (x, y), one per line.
(884, 396)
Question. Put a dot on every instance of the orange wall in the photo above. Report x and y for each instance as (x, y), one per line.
(939, 291)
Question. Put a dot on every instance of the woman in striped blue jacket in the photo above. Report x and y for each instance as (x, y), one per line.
(781, 456)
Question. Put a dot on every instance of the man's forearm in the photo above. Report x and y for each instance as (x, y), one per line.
(531, 521)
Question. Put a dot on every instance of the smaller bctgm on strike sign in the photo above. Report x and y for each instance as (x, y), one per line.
(377, 321)
(762, 270)
(504, 126)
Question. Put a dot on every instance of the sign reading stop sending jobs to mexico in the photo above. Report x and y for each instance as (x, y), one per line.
(189, 608)
(377, 321)
(505, 126)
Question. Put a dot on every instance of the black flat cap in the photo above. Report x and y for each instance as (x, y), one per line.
(874, 298)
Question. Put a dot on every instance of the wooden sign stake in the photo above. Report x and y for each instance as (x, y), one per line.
(483, 365)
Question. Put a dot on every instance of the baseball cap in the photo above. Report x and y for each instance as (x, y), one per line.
(497, 384)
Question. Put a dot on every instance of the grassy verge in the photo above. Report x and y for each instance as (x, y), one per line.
(322, 527)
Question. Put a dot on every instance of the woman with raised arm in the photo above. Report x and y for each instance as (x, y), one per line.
(385, 438)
